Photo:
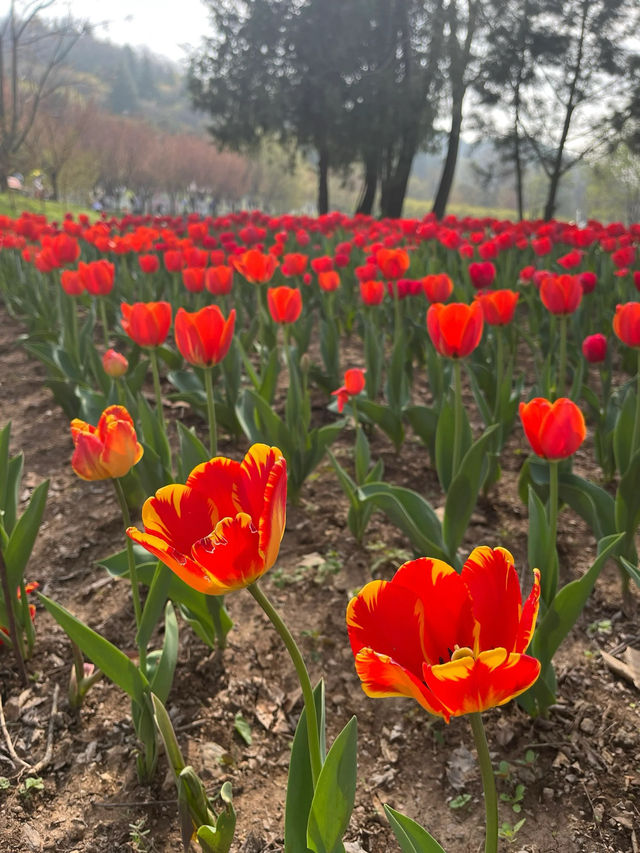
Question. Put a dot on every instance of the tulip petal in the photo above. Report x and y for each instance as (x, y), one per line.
(390, 620)
(493, 584)
(86, 461)
(251, 484)
(467, 685)
(563, 430)
(186, 569)
(529, 615)
(381, 677)
(216, 479)
(180, 516)
(448, 620)
(121, 449)
(274, 513)
(231, 554)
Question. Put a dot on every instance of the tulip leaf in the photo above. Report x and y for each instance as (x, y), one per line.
(107, 657)
(627, 503)
(300, 783)
(118, 564)
(192, 451)
(590, 501)
(23, 537)
(424, 422)
(462, 494)
(397, 386)
(362, 453)
(154, 604)
(541, 551)
(155, 438)
(631, 570)
(384, 417)
(11, 484)
(335, 793)
(261, 424)
(411, 837)
(567, 605)
(623, 433)
(411, 513)
(444, 441)
(162, 678)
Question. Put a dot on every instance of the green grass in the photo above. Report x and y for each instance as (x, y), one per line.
(415, 208)
(13, 204)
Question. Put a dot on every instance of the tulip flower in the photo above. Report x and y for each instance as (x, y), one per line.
(393, 263)
(588, 281)
(571, 260)
(147, 323)
(97, 276)
(498, 306)
(555, 431)
(219, 279)
(193, 279)
(173, 260)
(372, 292)
(594, 348)
(285, 304)
(294, 263)
(561, 294)
(454, 642)
(437, 287)
(626, 323)
(482, 274)
(114, 364)
(149, 263)
(329, 280)
(455, 329)
(71, 282)
(108, 450)
(354, 382)
(255, 266)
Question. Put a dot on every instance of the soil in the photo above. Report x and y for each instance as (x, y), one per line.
(578, 770)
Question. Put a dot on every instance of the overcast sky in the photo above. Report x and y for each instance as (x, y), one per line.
(161, 25)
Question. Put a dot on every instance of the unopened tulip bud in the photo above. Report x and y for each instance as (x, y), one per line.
(114, 364)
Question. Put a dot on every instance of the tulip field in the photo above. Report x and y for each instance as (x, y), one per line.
(319, 534)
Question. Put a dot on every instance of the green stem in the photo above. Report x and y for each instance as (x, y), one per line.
(635, 443)
(488, 783)
(499, 370)
(211, 411)
(549, 588)
(458, 415)
(105, 325)
(303, 676)
(562, 361)
(156, 386)
(133, 575)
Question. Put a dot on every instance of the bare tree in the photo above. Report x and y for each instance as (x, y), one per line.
(32, 57)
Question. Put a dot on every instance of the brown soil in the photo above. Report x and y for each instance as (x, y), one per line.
(579, 768)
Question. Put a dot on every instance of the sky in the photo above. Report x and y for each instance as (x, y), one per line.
(163, 26)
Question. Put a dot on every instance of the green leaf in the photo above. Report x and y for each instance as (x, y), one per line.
(389, 421)
(24, 535)
(162, 678)
(623, 433)
(154, 604)
(462, 494)
(591, 502)
(411, 837)
(192, 451)
(348, 485)
(107, 657)
(261, 424)
(411, 513)
(540, 547)
(627, 503)
(11, 496)
(300, 784)
(424, 422)
(631, 570)
(362, 455)
(335, 793)
(163, 722)
(444, 441)
(243, 728)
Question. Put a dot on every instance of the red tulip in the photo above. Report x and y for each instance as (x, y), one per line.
(453, 642)
(626, 323)
(71, 282)
(354, 383)
(482, 274)
(219, 279)
(594, 348)
(456, 328)
(148, 263)
(554, 430)
(588, 281)
(146, 323)
(255, 266)
(173, 260)
(392, 262)
(372, 292)
(204, 337)
(561, 294)
(97, 276)
(193, 279)
(285, 304)
(437, 287)
(294, 264)
(221, 530)
(110, 449)
(329, 280)
(624, 257)
(571, 260)
(498, 306)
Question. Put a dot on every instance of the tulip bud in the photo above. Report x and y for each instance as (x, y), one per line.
(114, 364)
(594, 348)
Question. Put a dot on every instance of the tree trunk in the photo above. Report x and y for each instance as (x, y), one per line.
(394, 187)
(370, 184)
(323, 181)
(55, 192)
(449, 168)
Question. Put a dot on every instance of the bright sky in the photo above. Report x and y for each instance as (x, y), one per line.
(163, 26)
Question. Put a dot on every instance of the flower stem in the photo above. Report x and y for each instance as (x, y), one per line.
(549, 589)
(635, 442)
(303, 676)
(156, 386)
(499, 370)
(562, 361)
(488, 783)
(211, 411)
(103, 320)
(133, 575)
(458, 414)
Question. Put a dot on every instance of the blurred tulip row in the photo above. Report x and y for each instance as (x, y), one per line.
(288, 332)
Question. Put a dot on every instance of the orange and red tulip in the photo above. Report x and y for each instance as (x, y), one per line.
(221, 530)
(256, 266)
(498, 306)
(393, 263)
(204, 337)
(219, 279)
(146, 323)
(626, 323)
(437, 287)
(285, 304)
(97, 276)
(372, 291)
(456, 328)
(453, 642)
(554, 430)
(110, 449)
